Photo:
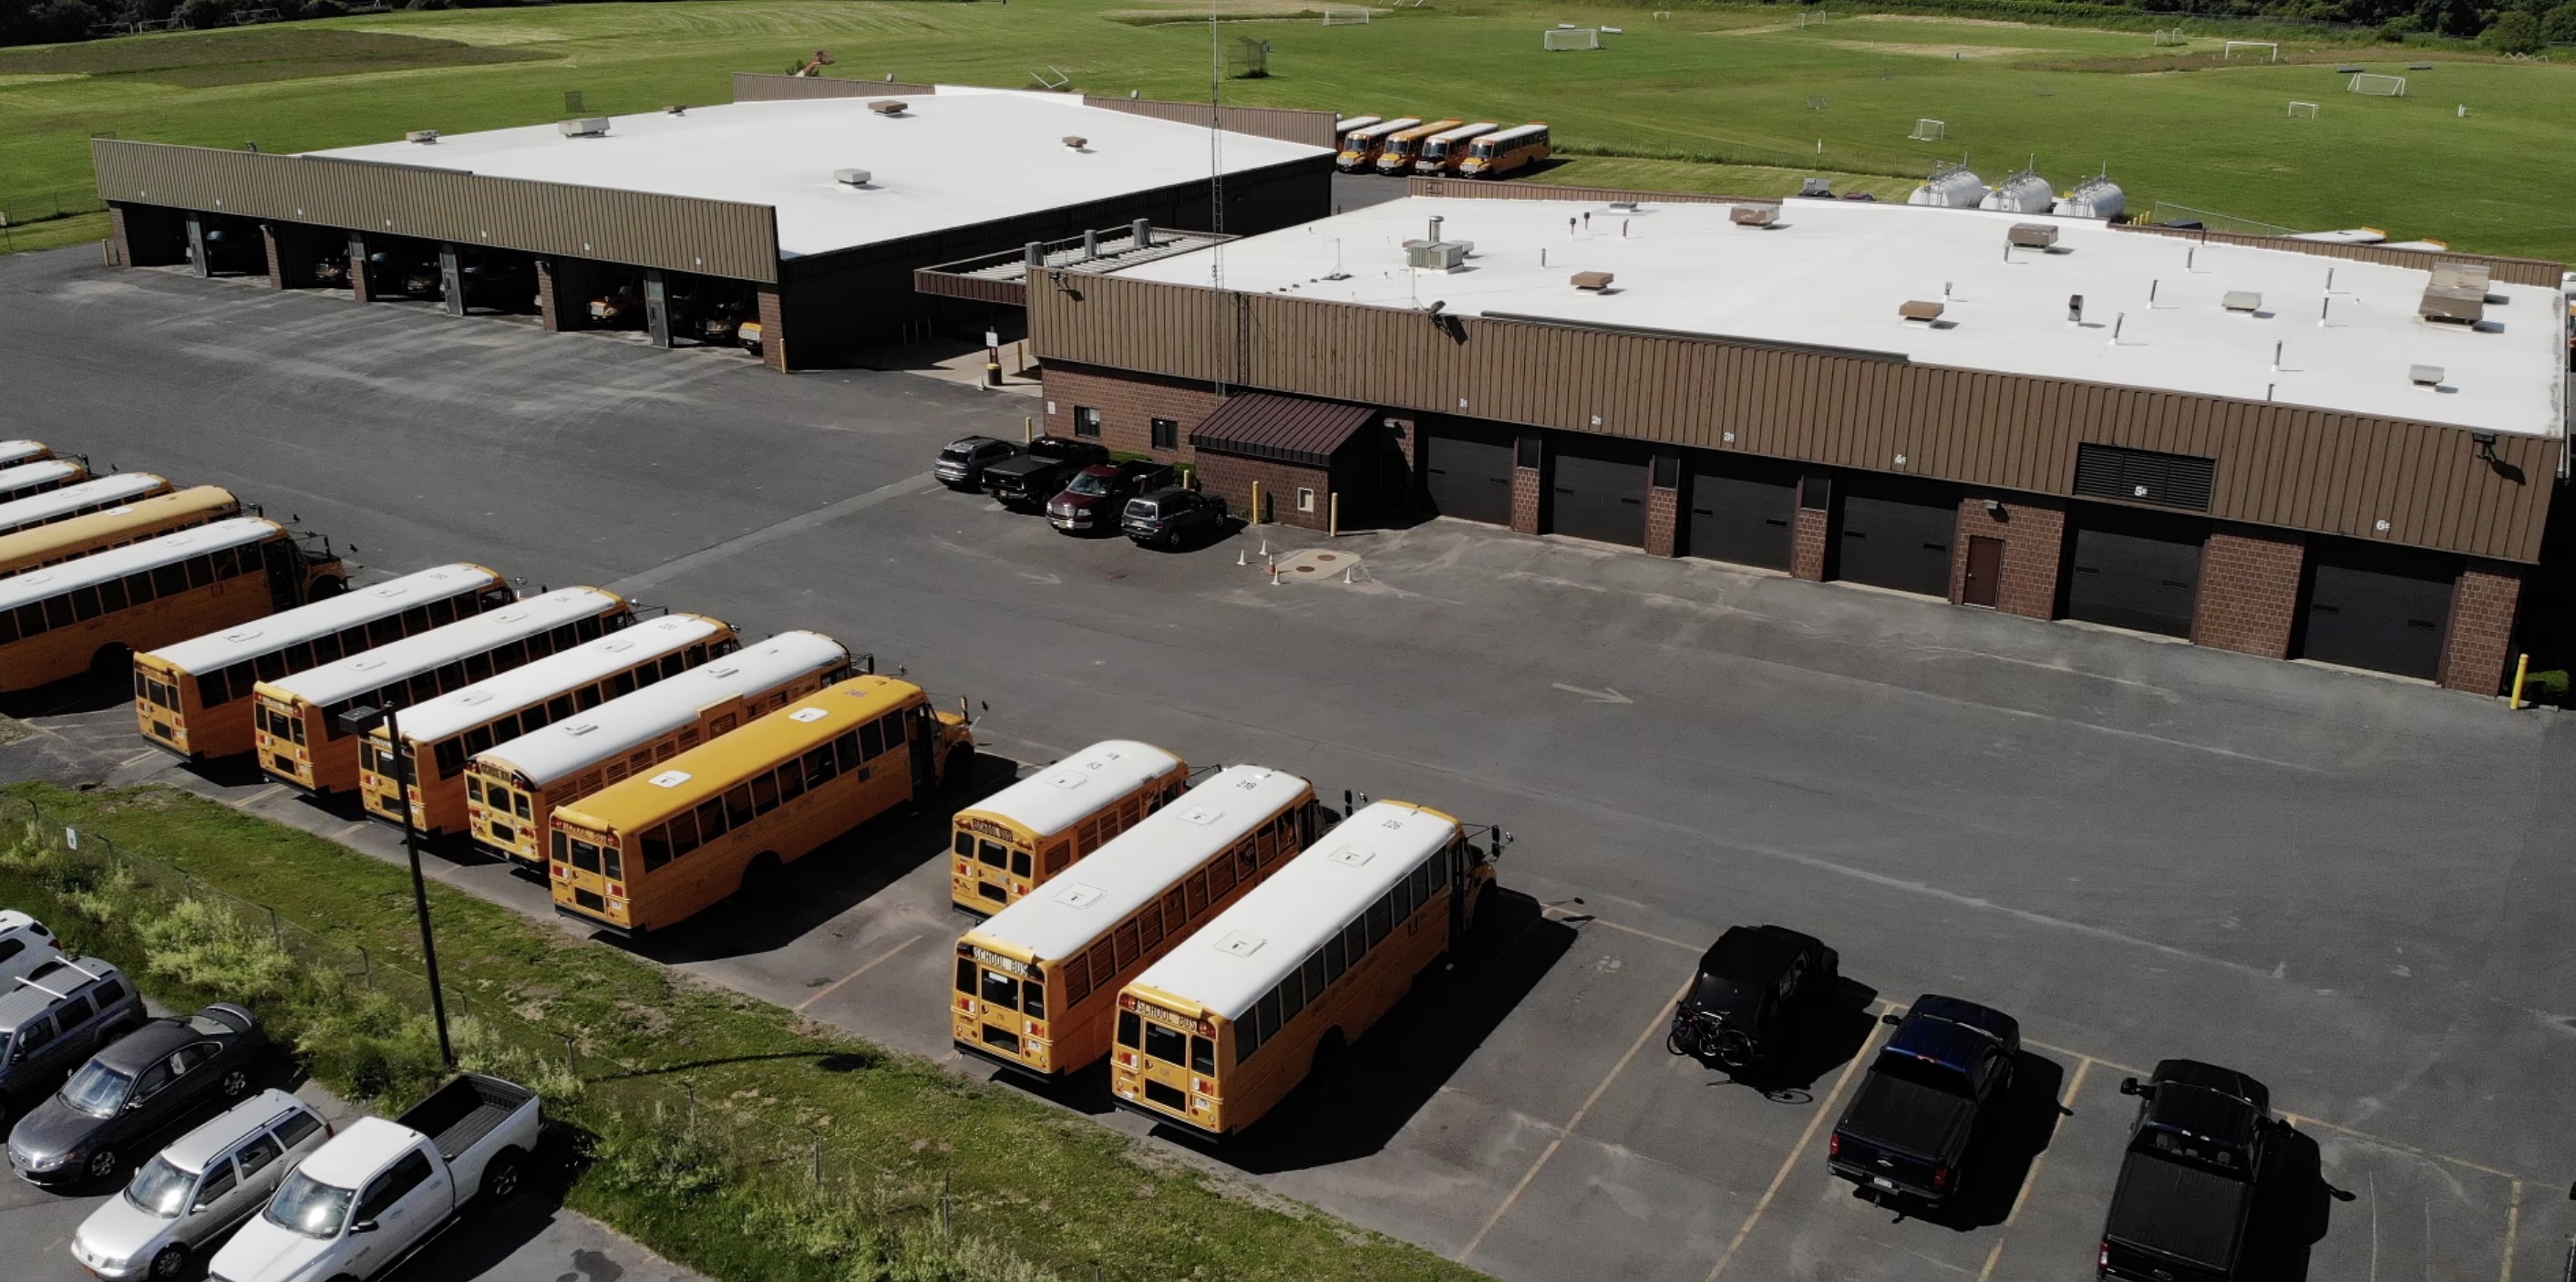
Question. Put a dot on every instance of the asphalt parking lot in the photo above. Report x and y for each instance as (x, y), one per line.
(2356, 889)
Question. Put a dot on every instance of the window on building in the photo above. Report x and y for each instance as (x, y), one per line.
(1086, 421)
(1167, 434)
(1305, 499)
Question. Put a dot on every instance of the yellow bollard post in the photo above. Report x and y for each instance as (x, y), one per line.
(1254, 516)
(1028, 429)
(1335, 531)
(2521, 671)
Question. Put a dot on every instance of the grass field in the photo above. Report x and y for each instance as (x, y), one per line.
(1744, 86)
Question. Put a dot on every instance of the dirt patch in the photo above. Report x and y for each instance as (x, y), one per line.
(1933, 51)
(41, 78)
(1933, 18)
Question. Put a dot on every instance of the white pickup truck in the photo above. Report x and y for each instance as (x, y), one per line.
(378, 1191)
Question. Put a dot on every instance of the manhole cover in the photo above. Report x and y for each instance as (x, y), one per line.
(1305, 569)
(1328, 556)
(1319, 565)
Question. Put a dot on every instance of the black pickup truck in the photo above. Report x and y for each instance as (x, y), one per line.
(1906, 1132)
(2203, 1141)
(1041, 470)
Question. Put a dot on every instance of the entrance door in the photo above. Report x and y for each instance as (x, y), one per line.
(2134, 575)
(1600, 493)
(1468, 476)
(1899, 540)
(2381, 613)
(1744, 519)
(1984, 584)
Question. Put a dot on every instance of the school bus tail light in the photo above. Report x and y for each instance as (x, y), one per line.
(1035, 1028)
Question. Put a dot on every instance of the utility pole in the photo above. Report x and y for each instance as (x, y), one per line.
(362, 721)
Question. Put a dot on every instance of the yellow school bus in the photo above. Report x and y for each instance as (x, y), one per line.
(1038, 981)
(90, 614)
(1442, 151)
(1275, 987)
(439, 735)
(1360, 145)
(115, 527)
(512, 790)
(194, 698)
(30, 479)
(1012, 841)
(79, 500)
(14, 453)
(1396, 156)
(727, 816)
(1495, 155)
(296, 721)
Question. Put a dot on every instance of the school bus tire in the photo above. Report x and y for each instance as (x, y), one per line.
(959, 764)
(1330, 1051)
(326, 588)
(112, 661)
(761, 874)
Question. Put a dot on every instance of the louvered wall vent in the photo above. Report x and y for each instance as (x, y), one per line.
(2144, 476)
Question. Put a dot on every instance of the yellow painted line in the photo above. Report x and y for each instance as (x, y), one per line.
(1661, 1018)
(2366, 1137)
(2072, 1053)
(879, 960)
(2512, 1231)
(2030, 1178)
(1867, 1047)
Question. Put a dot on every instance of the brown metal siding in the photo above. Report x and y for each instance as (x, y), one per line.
(1288, 124)
(678, 233)
(927, 280)
(2509, 271)
(2279, 465)
(758, 86)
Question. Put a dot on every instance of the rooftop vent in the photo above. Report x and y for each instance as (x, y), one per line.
(594, 127)
(676, 109)
(2241, 300)
(2464, 277)
(2031, 236)
(1920, 311)
(889, 106)
(1075, 142)
(852, 177)
(2424, 375)
(1624, 206)
(2453, 306)
(1755, 215)
(1437, 255)
(421, 135)
(1594, 281)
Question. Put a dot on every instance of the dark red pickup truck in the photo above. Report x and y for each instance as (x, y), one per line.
(1094, 498)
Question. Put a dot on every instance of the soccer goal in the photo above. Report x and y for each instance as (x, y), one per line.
(2378, 86)
(1811, 20)
(2269, 48)
(1930, 130)
(1559, 39)
(2171, 36)
(2303, 111)
(1346, 17)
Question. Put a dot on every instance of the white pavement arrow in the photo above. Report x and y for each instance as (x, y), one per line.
(1595, 696)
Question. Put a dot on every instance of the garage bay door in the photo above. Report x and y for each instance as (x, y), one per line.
(2378, 615)
(2134, 576)
(1744, 519)
(1899, 541)
(1600, 494)
(1468, 476)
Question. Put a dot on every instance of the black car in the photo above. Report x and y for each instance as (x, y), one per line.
(1166, 517)
(135, 1094)
(409, 275)
(1754, 983)
(1041, 470)
(2203, 1142)
(962, 462)
(499, 284)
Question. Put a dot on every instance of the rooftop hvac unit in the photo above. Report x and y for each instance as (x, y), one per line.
(2095, 197)
(1437, 255)
(1593, 281)
(2424, 375)
(2241, 300)
(2453, 306)
(1922, 311)
(1754, 215)
(2031, 236)
(852, 177)
(889, 106)
(1950, 187)
(421, 135)
(594, 127)
(2023, 193)
(1075, 142)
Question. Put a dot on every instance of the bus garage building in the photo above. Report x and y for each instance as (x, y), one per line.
(2339, 453)
(805, 205)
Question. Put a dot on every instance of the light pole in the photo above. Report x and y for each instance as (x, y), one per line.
(362, 721)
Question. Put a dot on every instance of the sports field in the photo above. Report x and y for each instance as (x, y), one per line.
(1747, 86)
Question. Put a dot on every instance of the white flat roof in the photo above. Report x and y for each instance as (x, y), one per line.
(1074, 789)
(218, 650)
(408, 657)
(630, 721)
(958, 157)
(116, 563)
(562, 672)
(1833, 273)
(30, 512)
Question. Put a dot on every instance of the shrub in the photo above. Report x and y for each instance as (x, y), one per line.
(2558, 26)
(208, 948)
(2514, 32)
(373, 1049)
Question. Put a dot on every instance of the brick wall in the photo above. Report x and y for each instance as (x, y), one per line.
(2249, 592)
(550, 297)
(2034, 539)
(1232, 477)
(2477, 650)
(358, 270)
(1529, 491)
(773, 331)
(1663, 510)
(1807, 543)
(147, 235)
(1128, 407)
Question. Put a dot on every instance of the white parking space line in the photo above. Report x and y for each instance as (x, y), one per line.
(2030, 1178)
(1868, 1047)
(1643, 1036)
(706, 556)
(2512, 1231)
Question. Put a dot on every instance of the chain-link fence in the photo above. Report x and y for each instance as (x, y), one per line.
(24, 207)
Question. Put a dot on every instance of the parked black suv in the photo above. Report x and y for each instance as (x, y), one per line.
(1753, 984)
(962, 462)
(1041, 470)
(1166, 517)
(2202, 1142)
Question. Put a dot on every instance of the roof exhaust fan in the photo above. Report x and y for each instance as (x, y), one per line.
(852, 177)
(593, 127)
